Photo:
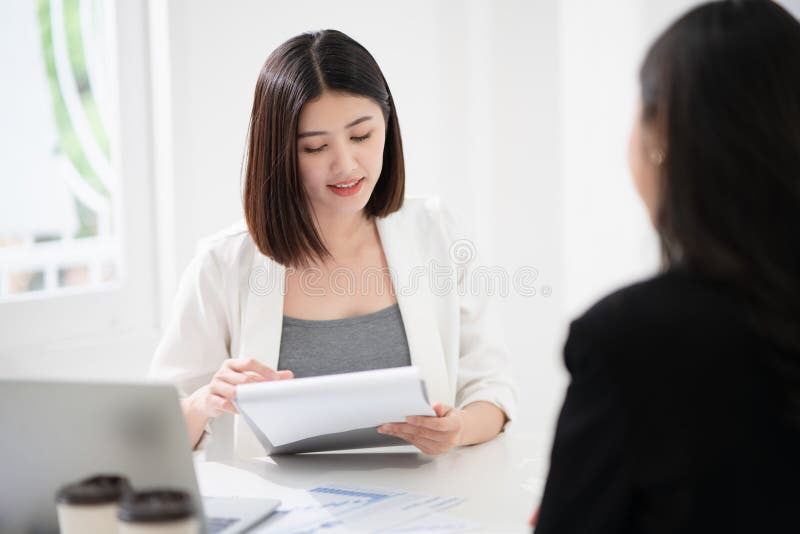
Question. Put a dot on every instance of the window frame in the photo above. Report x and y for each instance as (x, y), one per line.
(125, 310)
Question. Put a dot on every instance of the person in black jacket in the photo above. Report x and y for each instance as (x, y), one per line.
(683, 412)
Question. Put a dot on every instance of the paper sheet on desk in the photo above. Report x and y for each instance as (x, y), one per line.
(344, 508)
(221, 480)
(287, 411)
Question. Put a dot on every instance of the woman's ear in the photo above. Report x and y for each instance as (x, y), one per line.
(646, 156)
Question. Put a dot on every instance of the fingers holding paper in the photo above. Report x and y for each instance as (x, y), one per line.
(217, 396)
(431, 435)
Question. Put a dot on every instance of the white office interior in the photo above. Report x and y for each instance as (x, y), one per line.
(515, 113)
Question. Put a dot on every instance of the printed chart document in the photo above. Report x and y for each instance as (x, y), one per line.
(344, 508)
(331, 507)
(331, 412)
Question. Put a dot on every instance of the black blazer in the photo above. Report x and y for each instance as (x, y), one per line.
(673, 421)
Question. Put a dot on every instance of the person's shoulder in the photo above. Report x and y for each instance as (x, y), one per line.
(228, 246)
(673, 310)
(430, 221)
(630, 301)
(674, 295)
(422, 209)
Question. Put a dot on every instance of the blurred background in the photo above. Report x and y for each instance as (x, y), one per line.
(122, 128)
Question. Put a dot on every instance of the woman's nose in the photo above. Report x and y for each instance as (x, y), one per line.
(344, 161)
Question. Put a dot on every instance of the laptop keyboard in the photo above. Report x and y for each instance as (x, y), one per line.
(218, 524)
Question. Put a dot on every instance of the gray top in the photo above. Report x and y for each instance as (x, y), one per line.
(372, 341)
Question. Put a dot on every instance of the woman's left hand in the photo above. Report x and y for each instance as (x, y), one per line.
(431, 435)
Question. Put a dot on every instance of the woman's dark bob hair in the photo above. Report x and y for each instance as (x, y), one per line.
(722, 87)
(279, 216)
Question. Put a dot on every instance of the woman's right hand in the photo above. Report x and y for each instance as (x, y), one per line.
(217, 396)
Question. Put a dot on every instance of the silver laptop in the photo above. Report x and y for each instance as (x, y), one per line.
(55, 433)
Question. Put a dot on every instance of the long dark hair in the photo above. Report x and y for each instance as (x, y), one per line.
(723, 85)
(278, 214)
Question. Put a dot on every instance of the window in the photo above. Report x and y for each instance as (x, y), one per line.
(59, 201)
(77, 241)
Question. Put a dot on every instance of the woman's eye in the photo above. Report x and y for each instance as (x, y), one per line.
(361, 138)
(315, 150)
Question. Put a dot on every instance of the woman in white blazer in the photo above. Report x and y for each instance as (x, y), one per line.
(329, 237)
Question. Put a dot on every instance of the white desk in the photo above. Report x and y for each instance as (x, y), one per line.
(501, 480)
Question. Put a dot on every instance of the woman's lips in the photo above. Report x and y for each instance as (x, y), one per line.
(347, 188)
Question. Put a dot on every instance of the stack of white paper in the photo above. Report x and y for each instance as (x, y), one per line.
(288, 411)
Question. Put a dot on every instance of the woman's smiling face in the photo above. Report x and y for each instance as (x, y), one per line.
(340, 151)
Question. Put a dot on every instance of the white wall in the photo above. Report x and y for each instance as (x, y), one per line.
(100, 334)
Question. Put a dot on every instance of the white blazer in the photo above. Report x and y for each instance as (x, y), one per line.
(230, 304)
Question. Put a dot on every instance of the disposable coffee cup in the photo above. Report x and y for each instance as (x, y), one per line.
(157, 512)
(91, 505)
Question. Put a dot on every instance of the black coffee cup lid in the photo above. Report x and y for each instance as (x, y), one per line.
(155, 505)
(100, 489)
